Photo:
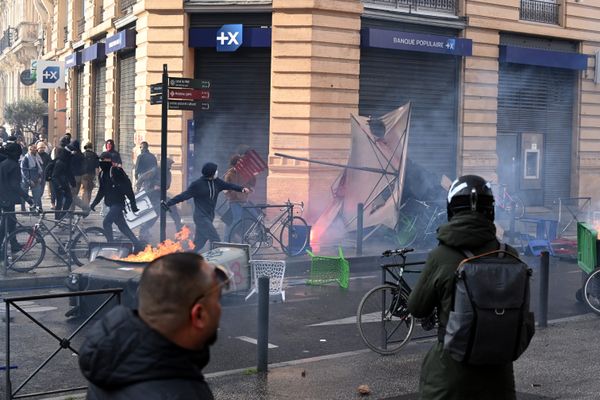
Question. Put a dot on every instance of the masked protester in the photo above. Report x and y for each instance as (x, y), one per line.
(11, 192)
(205, 192)
(62, 182)
(112, 153)
(114, 187)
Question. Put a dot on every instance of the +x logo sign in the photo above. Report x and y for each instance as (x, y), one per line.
(230, 37)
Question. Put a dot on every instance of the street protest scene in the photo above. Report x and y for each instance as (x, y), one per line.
(277, 199)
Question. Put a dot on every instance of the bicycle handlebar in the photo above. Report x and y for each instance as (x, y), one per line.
(397, 252)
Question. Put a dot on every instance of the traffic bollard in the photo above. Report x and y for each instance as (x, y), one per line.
(544, 278)
(360, 207)
(263, 324)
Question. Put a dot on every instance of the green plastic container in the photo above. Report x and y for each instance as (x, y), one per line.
(328, 269)
(587, 247)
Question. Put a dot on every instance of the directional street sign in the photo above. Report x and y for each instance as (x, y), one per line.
(187, 105)
(187, 83)
(156, 99)
(156, 88)
(189, 94)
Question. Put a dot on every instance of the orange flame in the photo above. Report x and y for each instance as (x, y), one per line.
(596, 225)
(182, 243)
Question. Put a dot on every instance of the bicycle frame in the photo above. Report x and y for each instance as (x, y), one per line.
(275, 225)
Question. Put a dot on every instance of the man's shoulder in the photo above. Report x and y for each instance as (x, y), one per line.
(159, 389)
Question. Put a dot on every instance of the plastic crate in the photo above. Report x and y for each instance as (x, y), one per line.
(587, 247)
(329, 269)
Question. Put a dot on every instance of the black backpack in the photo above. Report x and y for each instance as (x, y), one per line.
(49, 170)
(490, 322)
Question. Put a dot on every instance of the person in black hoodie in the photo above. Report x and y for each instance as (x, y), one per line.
(112, 153)
(11, 191)
(159, 350)
(62, 182)
(77, 165)
(114, 187)
(205, 192)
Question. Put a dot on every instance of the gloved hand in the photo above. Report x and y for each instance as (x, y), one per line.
(165, 206)
(93, 207)
(134, 208)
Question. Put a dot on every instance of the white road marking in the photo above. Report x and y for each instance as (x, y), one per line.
(254, 341)
(28, 306)
(371, 317)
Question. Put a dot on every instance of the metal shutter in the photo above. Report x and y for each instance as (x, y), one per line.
(239, 108)
(78, 104)
(99, 105)
(126, 130)
(389, 79)
(540, 100)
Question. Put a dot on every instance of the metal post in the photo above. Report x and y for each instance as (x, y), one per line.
(360, 207)
(291, 227)
(512, 223)
(7, 385)
(263, 324)
(163, 151)
(544, 275)
(69, 258)
(5, 244)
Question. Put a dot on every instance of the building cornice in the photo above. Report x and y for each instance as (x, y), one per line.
(251, 6)
(450, 21)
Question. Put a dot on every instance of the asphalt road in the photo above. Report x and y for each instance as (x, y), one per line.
(313, 321)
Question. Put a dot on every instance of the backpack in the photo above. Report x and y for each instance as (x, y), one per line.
(490, 322)
(49, 170)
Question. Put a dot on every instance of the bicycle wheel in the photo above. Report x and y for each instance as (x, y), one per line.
(80, 248)
(519, 206)
(29, 252)
(299, 236)
(591, 291)
(248, 231)
(383, 320)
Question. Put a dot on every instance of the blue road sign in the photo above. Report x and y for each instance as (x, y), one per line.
(230, 37)
(51, 74)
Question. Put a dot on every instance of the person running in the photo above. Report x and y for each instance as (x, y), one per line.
(90, 169)
(114, 187)
(205, 192)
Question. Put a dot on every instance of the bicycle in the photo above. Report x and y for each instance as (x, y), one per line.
(257, 233)
(506, 201)
(418, 221)
(31, 244)
(591, 291)
(383, 320)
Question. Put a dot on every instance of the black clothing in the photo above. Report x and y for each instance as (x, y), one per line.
(114, 187)
(123, 358)
(77, 158)
(63, 197)
(113, 155)
(11, 191)
(144, 163)
(115, 216)
(62, 175)
(205, 192)
(90, 162)
(45, 159)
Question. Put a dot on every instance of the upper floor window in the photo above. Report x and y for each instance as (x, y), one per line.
(544, 11)
(442, 6)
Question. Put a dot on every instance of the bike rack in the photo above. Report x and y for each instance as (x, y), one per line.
(64, 343)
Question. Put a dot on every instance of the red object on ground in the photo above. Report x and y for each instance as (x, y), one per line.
(250, 165)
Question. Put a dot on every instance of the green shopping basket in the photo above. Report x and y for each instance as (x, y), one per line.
(329, 269)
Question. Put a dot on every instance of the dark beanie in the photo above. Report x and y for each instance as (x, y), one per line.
(209, 169)
(13, 150)
(64, 141)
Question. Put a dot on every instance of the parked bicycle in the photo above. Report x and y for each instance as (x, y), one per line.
(591, 291)
(383, 320)
(505, 201)
(71, 238)
(418, 222)
(287, 230)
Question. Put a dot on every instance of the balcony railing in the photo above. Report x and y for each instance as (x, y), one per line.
(80, 28)
(127, 6)
(7, 39)
(443, 6)
(66, 35)
(540, 11)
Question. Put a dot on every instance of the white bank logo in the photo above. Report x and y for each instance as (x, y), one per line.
(50, 74)
(230, 37)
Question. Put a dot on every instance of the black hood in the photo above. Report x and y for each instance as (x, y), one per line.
(121, 349)
(466, 229)
(63, 154)
(105, 166)
(13, 151)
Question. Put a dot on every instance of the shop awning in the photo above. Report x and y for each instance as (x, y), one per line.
(543, 58)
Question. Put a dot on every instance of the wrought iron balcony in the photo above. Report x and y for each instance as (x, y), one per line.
(80, 28)
(7, 39)
(442, 6)
(127, 6)
(66, 34)
(540, 11)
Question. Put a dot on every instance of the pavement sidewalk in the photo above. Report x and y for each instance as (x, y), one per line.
(561, 363)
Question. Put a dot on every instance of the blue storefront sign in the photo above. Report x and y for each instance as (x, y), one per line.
(209, 37)
(73, 60)
(543, 58)
(395, 40)
(93, 52)
(123, 40)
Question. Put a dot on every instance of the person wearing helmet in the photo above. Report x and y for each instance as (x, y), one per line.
(11, 191)
(470, 207)
(205, 192)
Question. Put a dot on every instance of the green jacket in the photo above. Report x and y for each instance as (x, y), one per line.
(441, 376)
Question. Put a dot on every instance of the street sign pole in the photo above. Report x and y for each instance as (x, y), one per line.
(163, 151)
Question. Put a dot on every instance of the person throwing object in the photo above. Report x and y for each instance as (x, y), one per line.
(205, 192)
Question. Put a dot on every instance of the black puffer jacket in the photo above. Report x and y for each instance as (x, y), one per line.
(123, 358)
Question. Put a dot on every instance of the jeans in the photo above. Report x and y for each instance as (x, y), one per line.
(115, 216)
(204, 231)
(64, 198)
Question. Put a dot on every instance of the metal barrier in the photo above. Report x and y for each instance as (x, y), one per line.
(578, 208)
(64, 343)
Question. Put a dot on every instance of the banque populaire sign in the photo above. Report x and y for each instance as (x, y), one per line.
(395, 40)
